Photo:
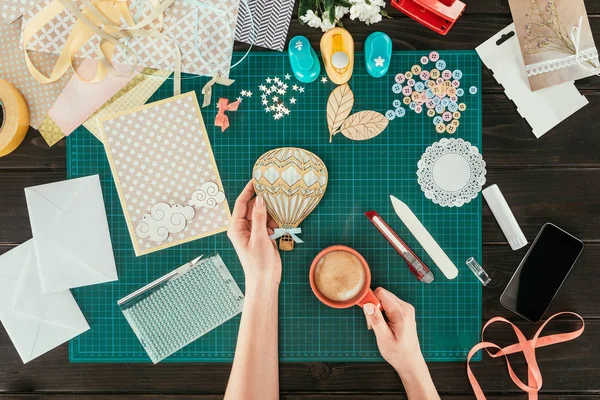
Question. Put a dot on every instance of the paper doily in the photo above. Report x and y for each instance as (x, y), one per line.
(451, 172)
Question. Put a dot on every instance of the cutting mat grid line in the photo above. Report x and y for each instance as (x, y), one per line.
(362, 176)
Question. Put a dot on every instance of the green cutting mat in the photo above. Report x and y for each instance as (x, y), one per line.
(362, 176)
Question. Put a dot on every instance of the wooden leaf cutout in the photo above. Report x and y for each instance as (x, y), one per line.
(339, 106)
(364, 125)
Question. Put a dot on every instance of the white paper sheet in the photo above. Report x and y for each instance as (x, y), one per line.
(543, 109)
(71, 236)
(36, 322)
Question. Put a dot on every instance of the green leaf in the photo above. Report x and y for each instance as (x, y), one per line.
(343, 3)
(304, 6)
(385, 14)
(329, 5)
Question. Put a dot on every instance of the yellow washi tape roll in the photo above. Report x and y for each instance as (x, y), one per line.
(15, 121)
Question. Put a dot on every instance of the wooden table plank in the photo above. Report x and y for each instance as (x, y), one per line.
(284, 396)
(53, 372)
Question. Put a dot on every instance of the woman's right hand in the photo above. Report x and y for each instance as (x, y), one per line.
(249, 232)
(397, 337)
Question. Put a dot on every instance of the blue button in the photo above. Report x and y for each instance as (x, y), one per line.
(460, 92)
(439, 109)
(390, 114)
(441, 65)
(396, 103)
(457, 74)
(412, 105)
(429, 94)
(397, 88)
(445, 102)
(400, 112)
(452, 106)
(472, 90)
(438, 120)
(436, 100)
(419, 86)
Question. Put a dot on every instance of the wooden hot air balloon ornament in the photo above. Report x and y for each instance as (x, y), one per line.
(292, 182)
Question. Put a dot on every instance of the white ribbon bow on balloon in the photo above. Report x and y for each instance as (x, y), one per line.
(279, 232)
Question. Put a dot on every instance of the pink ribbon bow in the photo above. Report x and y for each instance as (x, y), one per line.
(534, 382)
(221, 119)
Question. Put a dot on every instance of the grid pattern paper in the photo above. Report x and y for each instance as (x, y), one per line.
(362, 175)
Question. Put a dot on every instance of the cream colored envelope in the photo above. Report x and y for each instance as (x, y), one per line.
(36, 322)
(70, 232)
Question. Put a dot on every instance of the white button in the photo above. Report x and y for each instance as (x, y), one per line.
(339, 59)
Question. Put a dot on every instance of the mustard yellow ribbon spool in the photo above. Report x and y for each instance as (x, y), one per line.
(15, 122)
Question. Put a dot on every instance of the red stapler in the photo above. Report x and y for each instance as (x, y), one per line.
(437, 15)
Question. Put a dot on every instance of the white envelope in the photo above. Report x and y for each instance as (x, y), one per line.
(36, 322)
(70, 232)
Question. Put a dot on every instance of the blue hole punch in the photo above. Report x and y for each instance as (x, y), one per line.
(303, 59)
(378, 54)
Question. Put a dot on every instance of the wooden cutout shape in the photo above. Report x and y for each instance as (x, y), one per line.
(292, 182)
(339, 106)
(362, 125)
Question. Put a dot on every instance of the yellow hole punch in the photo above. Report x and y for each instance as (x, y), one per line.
(337, 50)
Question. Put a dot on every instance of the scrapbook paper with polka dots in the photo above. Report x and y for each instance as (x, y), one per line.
(165, 173)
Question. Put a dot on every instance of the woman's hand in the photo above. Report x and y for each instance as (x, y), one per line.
(399, 344)
(397, 338)
(249, 232)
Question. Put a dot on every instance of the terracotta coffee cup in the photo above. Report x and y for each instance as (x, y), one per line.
(365, 295)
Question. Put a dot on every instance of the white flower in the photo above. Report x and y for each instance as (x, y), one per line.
(367, 13)
(340, 12)
(326, 24)
(311, 19)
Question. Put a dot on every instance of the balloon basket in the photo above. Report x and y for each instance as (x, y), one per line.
(286, 243)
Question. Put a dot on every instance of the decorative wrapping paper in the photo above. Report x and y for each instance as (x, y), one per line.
(79, 100)
(134, 94)
(203, 31)
(10, 10)
(165, 173)
(556, 41)
(13, 69)
(267, 24)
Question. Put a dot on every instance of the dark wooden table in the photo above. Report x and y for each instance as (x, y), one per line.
(555, 178)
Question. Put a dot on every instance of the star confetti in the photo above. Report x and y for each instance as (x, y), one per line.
(274, 92)
(324, 79)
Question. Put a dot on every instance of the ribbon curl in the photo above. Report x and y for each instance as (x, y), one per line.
(534, 382)
(222, 119)
(279, 232)
(207, 89)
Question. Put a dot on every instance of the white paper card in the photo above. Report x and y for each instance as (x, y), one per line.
(543, 109)
(70, 231)
(36, 322)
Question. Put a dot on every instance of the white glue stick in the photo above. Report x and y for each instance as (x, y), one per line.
(505, 217)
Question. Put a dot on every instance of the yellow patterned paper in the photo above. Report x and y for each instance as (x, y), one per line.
(134, 94)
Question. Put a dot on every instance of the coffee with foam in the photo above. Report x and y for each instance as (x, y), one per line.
(339, 276)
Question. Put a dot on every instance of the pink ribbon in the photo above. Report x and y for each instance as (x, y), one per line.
(221, 119)
(534, 381)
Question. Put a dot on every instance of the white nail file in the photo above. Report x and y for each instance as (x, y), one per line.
(429, 244)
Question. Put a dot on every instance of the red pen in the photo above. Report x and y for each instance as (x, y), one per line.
(417, 267)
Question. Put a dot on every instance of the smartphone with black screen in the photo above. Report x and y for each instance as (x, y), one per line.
(541, 272)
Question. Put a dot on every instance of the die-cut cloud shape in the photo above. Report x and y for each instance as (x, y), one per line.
(163, 220)
(207, 196)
